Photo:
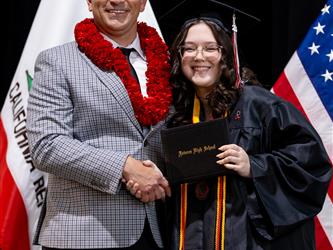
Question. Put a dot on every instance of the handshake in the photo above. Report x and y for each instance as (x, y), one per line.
(144, 180)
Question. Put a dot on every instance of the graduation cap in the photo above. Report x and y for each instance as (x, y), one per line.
(229, 17)
(187, 9)
(177, 12)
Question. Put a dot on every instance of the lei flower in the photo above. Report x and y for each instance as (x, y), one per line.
(148, 110)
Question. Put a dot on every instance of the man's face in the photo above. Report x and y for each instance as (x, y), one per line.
(116, 18)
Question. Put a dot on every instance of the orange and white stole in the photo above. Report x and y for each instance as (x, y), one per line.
(220, 200)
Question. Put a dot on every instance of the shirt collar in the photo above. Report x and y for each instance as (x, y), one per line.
(135, 45)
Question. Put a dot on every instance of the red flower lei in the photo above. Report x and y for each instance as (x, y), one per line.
(148, 110)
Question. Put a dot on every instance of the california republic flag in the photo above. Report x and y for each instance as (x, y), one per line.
(22, 186)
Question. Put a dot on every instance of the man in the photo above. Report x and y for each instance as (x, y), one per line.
(92, 126)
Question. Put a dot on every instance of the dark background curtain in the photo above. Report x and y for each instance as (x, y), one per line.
(267, 48)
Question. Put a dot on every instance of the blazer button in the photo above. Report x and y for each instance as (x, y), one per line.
(145, 143)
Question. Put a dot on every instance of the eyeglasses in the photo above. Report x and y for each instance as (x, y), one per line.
(208, 51)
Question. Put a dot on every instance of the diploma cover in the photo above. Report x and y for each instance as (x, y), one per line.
(190, 150)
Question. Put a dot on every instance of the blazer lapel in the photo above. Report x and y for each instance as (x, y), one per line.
(117, 89)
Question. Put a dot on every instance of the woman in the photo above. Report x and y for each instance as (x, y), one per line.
(281, 169)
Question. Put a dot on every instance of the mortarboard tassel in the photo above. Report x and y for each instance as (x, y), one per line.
(235, 48)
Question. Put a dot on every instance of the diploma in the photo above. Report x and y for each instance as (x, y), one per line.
(190, 150)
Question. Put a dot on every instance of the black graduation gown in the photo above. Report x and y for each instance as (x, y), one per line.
(290, 176)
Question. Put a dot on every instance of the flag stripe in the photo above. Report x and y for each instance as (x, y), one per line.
(283, 89)
(13, 217)
(325, 217)
(322, 241)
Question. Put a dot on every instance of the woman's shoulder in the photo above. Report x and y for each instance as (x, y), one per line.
(257, 94)
(265, 103)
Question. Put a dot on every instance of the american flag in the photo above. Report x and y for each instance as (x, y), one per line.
(307, 82)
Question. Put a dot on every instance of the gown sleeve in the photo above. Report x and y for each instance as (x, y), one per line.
(290, 174)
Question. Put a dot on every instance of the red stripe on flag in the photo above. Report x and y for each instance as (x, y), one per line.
(13, 217)
(322, 241)
(283, 89)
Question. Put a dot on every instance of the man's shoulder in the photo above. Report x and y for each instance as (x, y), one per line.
(61, 49)
(59, 53)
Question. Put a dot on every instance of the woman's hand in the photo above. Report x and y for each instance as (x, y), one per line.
(235, 158)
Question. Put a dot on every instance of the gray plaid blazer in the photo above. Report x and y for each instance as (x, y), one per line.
(81, 128)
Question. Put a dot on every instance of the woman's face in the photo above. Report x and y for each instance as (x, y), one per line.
(201, 56)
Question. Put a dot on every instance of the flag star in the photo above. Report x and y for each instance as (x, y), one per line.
(327, 75)
(314, 48)
(319, 28)
(325, 9)
(330, 55)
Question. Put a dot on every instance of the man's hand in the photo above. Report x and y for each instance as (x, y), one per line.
(144, 180)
